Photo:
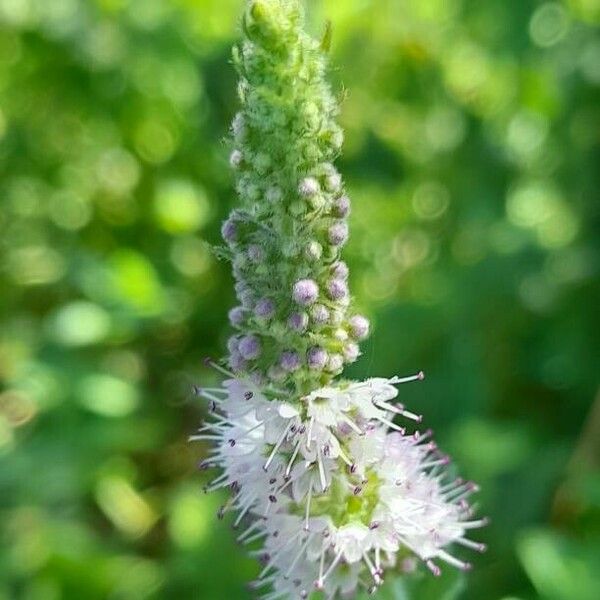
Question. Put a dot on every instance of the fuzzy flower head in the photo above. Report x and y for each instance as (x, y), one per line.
(334, 485)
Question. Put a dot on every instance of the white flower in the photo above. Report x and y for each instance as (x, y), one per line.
(334, 494)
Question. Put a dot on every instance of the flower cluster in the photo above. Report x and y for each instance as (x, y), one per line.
(336, 491)
(330, 489)
(294, 323)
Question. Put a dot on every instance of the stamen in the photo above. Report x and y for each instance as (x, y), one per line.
(309, 433)
(244, 509)
(352, 425)
(251, 528)
(321, 471)
(290, 465)
(478, 546)
(276, 447)
(298, 557)
(332, 566)
(451, 560)
(433, 568)
(209, 362)
(308, 505)
(475, 524)
(372, 569)
(398, 380)
(391, 425)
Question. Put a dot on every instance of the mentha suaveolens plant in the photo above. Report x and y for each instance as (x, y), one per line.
(328, 489)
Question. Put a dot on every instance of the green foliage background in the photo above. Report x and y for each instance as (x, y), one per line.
(472, 156)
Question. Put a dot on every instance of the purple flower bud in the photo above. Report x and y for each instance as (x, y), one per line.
(335, 363)
(229, 230)
(351, 352)
(341, 206)
(236, 316)
(308, 187)
(317, 358)
(233, 344)
(313, 251)
(265, 308)
(235, 159)
(337, 289)
(338, 233)
(237, 362)
(305, 292)
(290, 360)
(319, 314)
(255, 253)
(250, 347)
(298, 322)
(340, 270)
(359, 327)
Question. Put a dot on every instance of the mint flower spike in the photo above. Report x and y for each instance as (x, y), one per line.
(322, 475)
(285, 239)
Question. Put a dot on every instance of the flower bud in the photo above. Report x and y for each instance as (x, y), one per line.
(319, 314)
(238, 126)
(313, 251)
(233, 344)
(305, 292)
(264, 308)
(341, 206)
(359, 327)
(229, 230)
(308, 187)
(237, 316)
(316, 358)
(255, 253)
(351, 351)
(237, 362)
(336, 317)
(290, 361)
(338, 233)
(235, 159)
(337, 289)
(333, 182)
(250, 347)
(298, 322)
(339, 270)
(335, 363)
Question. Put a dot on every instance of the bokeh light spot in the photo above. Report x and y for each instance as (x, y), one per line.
(180, 206)
(430, 200)
(191, 517)
(108, 396)
(155, 141)
(191, 256)
(80, 324)
(69, 210)
(127, 510)
(549, 24)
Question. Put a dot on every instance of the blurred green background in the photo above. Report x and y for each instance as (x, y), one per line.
(473, 159)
